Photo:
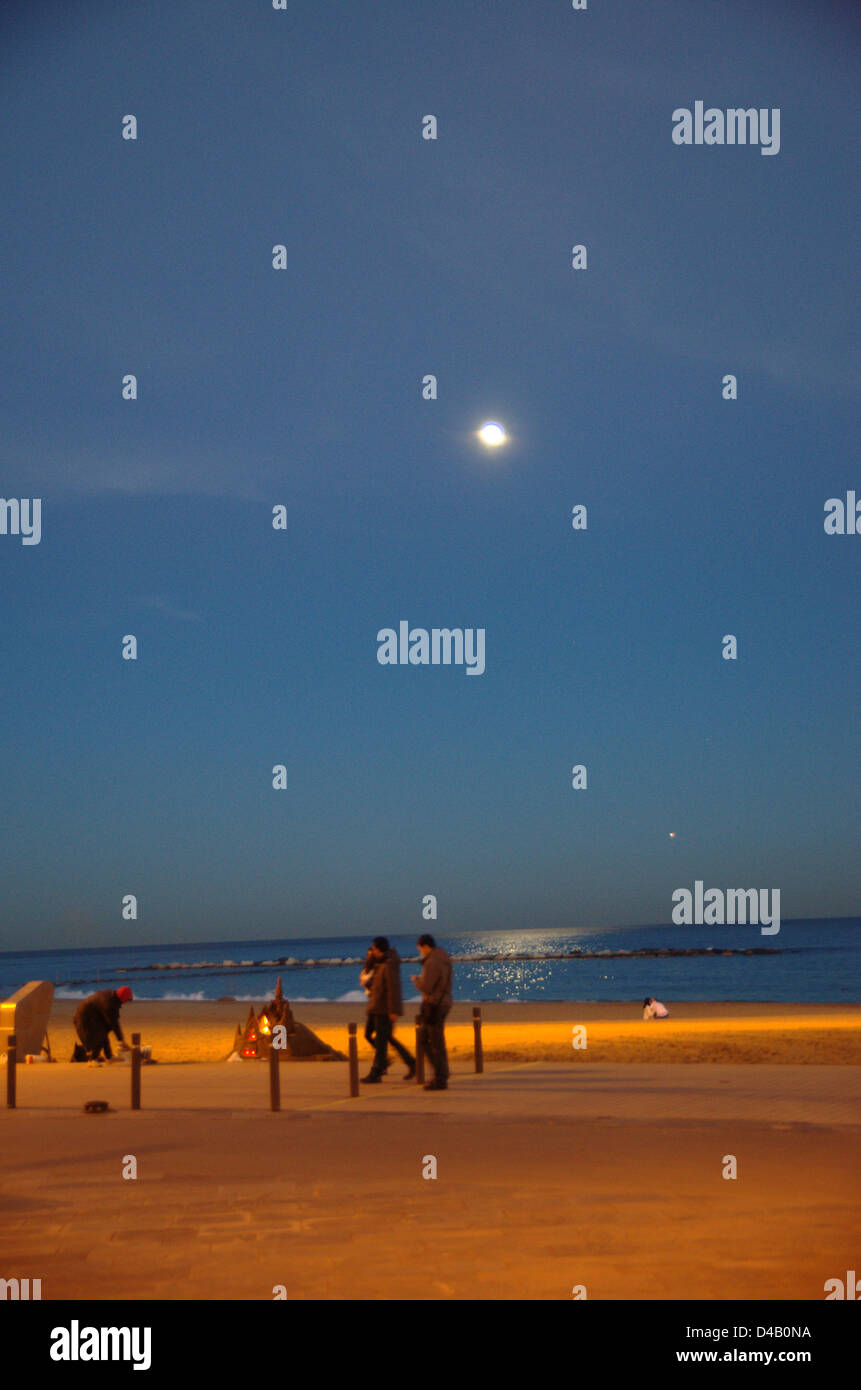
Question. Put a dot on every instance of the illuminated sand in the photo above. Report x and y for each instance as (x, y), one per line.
(182, 1031)
(548, 1176)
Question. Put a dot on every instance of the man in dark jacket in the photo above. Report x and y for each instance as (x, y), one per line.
(95, 1018)
(434, 985)
(385, 1006)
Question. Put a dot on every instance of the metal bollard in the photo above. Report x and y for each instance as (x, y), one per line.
(274, 1080)
(136, 1071)
(479, 1050)
(420, 1053)
(11, 1062)
(353, 1054)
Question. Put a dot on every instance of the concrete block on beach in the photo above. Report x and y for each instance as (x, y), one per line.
(26, 1014)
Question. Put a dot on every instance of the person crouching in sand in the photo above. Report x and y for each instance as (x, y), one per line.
(95, 1018)
(653, 1008)
(434, 985)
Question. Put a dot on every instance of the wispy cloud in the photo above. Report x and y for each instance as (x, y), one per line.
(168, 609)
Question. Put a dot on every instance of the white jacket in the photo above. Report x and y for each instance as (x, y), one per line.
(655, 1010)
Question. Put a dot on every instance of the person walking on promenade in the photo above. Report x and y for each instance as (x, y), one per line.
(365, 977)
(434, 985)
(385, 1007)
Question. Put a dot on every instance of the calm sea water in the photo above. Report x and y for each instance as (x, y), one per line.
(815, 961)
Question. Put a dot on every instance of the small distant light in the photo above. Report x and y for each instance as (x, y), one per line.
(492, 433)
(672, 834)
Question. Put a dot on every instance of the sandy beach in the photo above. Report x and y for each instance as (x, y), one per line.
(197, 1031)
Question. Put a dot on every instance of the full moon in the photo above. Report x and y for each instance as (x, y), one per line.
(492, 433)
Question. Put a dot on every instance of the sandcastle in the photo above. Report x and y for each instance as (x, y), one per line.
(254, 1038)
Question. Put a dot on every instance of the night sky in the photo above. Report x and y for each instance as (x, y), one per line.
(303, 387)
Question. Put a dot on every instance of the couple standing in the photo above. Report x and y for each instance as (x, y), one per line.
(381, 978)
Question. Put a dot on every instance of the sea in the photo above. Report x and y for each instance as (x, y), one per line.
(813, 961)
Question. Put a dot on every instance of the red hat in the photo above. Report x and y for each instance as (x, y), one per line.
(125, 994)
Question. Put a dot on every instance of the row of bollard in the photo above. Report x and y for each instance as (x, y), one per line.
(353, 1052)
(12, 1071)
(274, 1072)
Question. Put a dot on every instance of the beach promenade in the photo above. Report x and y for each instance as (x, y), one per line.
(548, 1177)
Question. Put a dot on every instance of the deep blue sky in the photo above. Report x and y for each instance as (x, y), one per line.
(303, 387)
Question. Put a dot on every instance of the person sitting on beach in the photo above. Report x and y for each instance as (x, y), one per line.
(95, 1018)
(653, 1008)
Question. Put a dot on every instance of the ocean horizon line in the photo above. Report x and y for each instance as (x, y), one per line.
(366, 936)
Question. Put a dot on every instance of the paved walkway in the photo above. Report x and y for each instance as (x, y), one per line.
(547, 1177)
(818, 1095)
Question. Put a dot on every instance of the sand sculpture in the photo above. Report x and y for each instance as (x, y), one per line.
(254, 1038)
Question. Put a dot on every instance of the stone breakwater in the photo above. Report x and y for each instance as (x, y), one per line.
(211, 967)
